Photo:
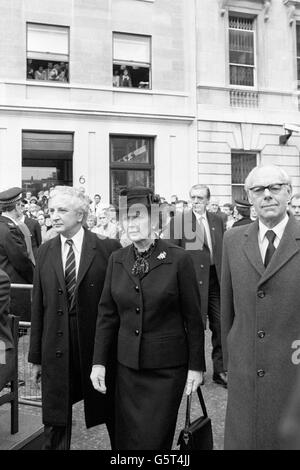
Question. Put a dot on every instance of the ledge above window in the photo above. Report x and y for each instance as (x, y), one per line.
(266, 4)
(291, 9)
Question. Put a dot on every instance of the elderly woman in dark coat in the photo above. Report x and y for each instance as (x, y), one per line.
(150, 304)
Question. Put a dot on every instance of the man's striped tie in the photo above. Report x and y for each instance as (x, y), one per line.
(70, 273)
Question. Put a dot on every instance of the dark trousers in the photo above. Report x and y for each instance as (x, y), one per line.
(214, 320)
(59, 437)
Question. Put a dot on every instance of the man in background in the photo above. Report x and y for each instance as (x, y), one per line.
(201, 233)
(14, 259)
(295, 206)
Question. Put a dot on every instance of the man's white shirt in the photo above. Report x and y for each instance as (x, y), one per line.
(77, 247)
(204, 220)
(263, 242)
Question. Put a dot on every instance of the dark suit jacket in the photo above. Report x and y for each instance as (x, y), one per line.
(6, 338)
(36, 234)
(49, 345)
(157, 318)
(183, 231)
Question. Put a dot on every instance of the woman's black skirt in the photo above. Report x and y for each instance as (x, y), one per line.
(147, 403)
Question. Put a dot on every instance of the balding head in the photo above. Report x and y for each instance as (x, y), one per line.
(265, 171)
(269, 190)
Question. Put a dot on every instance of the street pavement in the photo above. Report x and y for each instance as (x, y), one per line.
(215, 397)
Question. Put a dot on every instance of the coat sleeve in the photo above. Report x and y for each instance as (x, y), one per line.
(227, 306)
(5, 331)
(191, 311)
(107, 321)
(15, 249)
(37, 318)
(38, 234)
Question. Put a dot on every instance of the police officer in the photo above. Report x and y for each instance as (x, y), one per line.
(14, 259)
(241, 213)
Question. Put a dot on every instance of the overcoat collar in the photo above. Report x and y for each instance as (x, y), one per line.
(87, 255)
(161, 255)
(287, 248)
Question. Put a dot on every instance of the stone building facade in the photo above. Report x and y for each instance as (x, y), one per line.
(208, 88)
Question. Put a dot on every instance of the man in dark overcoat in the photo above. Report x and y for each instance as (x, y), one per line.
(14, 259)
(260, 307)
(201, 233)
(68, 283)
(6, 338)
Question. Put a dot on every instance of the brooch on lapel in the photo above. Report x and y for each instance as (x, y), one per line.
(162, 255)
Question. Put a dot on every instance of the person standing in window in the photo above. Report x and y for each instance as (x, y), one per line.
(150, 305)
(116, 78)
(40, 74)
(125, 79)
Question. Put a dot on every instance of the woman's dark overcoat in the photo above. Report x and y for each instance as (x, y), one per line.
(156, 318)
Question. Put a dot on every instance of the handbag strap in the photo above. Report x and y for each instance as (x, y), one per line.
(189, 404)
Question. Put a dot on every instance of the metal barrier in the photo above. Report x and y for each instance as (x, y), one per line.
(29, 391)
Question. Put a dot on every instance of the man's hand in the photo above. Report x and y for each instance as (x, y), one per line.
(36, 373)
(194, 379)
(98, 378)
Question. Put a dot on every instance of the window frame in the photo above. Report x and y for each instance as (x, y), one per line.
(297, 25)
(241, 152)
(129, 166)
(238, 14)
(125, 33)
(69, 54)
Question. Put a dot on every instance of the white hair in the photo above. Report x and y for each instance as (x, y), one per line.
(81, 202)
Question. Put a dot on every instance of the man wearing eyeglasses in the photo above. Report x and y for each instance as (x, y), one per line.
(260, 312)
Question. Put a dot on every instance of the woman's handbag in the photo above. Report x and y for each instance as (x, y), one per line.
(198, 434)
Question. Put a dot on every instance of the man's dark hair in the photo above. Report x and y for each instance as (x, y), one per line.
(201, 186)
(8, 207)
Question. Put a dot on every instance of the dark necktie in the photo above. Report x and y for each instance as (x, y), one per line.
(70, 272)
(271, 248)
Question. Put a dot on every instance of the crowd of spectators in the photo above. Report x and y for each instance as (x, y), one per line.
(103, 218)
(37, 70)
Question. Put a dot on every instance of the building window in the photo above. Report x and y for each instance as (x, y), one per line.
(131, 163)
(47, 160)
(241, 165)
(298, 53)
(47, 53)
(131, 61)
(241, 51)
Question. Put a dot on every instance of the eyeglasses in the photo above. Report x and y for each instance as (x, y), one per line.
(273, 188)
